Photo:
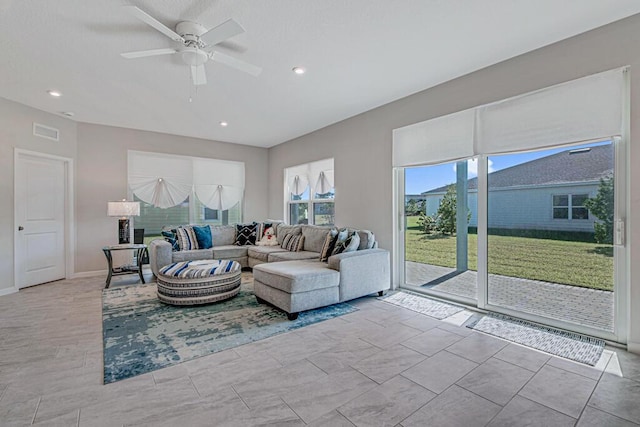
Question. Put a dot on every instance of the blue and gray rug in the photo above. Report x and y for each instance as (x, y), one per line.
(141, 334)
(569, 345)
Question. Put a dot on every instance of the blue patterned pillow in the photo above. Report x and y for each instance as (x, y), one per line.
(246, 234)
(170, 236)
(203, 236)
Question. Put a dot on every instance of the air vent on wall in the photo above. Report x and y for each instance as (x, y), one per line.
(46, 132)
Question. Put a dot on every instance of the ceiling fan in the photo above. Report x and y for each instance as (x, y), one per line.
(196, 45)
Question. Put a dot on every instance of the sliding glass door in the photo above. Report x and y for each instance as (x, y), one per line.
(533, 236)
(550, 217)
(441, 229)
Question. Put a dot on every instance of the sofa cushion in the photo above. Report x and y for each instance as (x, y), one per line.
(350, 244)
(229, 251)
(328, 244)
(314, 236)
(262, 252)
(192, 255)
(203, 236)
(299, 276)
(222, 235)
(246, 234)
(293, 242)
(187, 238)
(284, 229)
(292, 256)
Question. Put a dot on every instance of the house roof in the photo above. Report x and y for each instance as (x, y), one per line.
(570, 166)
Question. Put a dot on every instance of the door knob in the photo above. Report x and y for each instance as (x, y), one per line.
(20, 228)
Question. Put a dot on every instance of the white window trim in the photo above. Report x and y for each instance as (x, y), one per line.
(569, 207)
(311, 186)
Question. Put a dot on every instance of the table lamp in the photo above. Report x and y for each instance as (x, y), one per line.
(124, 210)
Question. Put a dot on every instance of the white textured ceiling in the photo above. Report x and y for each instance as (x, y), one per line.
(359, 54)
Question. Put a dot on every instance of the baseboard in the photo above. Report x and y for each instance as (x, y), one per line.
(89, 274)
(8, 291)
(633, 347)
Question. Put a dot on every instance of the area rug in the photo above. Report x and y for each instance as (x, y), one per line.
(569, 345)
(141, 334)
(421, 304)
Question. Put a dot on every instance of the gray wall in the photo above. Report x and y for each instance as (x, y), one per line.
(16, 131)
(102, 176)
(361, 145)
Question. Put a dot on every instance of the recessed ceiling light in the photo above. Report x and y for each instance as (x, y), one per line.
(68, 113)
(224, 124)
(54, 93)
(298, 70)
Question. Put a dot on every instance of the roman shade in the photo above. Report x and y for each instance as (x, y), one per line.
(587, 109)
(319, 174)
(219, 184)
(164, 180)
(437, 140)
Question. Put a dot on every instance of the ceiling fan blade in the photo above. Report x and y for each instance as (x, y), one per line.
(222, 32)
(145, 53)
(236, 63)
(198, 75)
(150, 20)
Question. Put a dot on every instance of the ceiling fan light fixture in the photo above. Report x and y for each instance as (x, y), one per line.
(299, 70)
(224, 124)
(54, 93)
(194, 57)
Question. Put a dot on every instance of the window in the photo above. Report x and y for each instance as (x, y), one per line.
(176, 190)
(574, 203)
(310, 193)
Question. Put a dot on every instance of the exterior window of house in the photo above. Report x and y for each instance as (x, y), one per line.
(574, 203)
(310, 193)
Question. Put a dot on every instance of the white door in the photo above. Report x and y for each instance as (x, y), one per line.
(40, 219)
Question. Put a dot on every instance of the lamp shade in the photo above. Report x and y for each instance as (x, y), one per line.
(123, 208)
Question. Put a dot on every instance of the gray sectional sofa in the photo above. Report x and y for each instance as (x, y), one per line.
(293, 281)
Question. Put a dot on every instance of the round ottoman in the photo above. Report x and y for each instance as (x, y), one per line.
(198, 282)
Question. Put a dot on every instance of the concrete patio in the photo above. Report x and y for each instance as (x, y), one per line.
(583, 306)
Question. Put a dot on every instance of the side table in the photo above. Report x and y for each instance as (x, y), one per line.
(125, 269)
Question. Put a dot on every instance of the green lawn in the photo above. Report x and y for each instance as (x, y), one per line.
(573, 263)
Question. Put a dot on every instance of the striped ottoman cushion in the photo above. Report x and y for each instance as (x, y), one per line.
(198, 282)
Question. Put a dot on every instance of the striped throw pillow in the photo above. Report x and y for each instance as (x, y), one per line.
(187, 238)
(293, 242)
(328, 245)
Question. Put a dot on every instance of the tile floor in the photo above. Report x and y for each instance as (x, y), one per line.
(381, 365)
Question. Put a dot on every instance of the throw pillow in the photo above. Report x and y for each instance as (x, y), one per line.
(187, 238)
(170, 236)
(350, 244)
(246, 234)
(293, 242)
(203, 236)
(262, 228)
(328, 245)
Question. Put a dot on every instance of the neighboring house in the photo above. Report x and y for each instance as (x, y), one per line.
(543, 194)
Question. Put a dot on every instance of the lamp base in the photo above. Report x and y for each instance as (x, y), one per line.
(123, 232)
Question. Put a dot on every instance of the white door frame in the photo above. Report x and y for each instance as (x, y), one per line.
(69, 228)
